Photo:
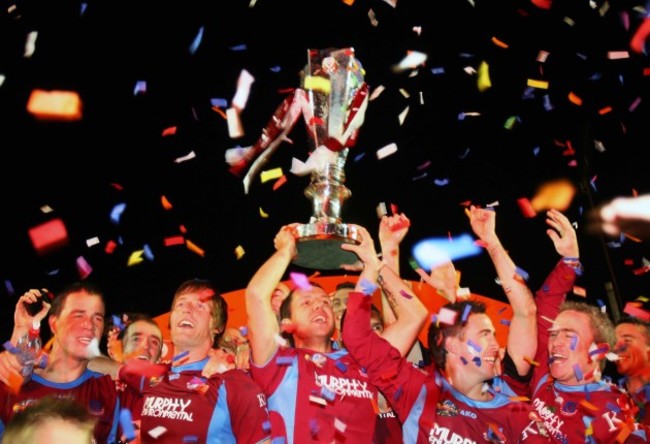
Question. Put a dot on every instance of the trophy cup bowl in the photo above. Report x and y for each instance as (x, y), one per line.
(333, 122)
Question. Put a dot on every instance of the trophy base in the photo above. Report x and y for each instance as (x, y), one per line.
(319, 245)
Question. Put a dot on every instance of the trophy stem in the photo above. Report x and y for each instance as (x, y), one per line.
(327, 191)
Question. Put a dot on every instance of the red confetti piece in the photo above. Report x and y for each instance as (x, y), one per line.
(278, 183)
(633, 310)
(400, 225)
(526, 207)
(174, 240)
(110, 247)
(170, 131)
(49, 236)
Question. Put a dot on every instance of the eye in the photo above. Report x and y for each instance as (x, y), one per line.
(553, 335)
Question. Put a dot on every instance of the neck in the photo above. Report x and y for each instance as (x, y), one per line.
(316, 344)
(466, 384)
(62, 367)
(194, 354)
(635, 382)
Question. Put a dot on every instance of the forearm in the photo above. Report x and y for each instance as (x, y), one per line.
(408, 308)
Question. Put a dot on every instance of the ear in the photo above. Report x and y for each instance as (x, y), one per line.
(452, 345)
(51, 321)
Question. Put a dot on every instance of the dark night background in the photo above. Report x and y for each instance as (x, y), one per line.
(116, 153)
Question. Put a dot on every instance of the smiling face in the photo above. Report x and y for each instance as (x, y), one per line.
(312, 315)
(191, 323)
(633, 349)
(568, 346)
(477, 348)
(142, 340)
(81, 319)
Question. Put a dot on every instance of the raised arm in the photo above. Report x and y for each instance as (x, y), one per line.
(411, 312)
(262, 323)
(522, 335)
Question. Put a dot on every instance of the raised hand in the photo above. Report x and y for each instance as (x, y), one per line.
(562, 234)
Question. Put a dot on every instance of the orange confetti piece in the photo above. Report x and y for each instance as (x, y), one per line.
(623, 435)
(499, 43)
(195, 248)
(166, 203)
(182, 229)
(174, 240)
(531, 361)
(15, 382)
(348, 2)
(48, 345)
(375, 406)
(281, 181)
(519, 398)
(170, 131)
(588, 405)
(632, 238)
(605, 110)
(220, 112)
(54, 105)
(575, 99)
(579, 291)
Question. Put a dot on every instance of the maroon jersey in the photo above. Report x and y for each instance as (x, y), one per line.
(430, 409)
(596, 412)
(182, 406)
(93, 390)
(318, 397)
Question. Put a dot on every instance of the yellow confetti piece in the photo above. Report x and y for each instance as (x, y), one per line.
(539, 84)
(263, 214)
(483, 80)
(195, 248)
(267, 175)
(316, 83)
(239, 252)
(166, 203)
(135, 258)
(499, 43)
(575, 99)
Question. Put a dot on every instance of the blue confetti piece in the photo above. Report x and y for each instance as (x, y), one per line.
(190, 438)
(180, 356)
(116, 213)
(536, 151)
(477, 361)
(464, 154)
(243, 330)
(238, 48)
(521, 272)
(441, 182)
(10, 348)
(219, 102)
(432, 252)
(574, 343)
(313, 426)
(276, 69)
(148, 252)
(577, 372)
(126, 422)
(284, 360)
(279, 440)
(398, 393)
(83, 8)
(463, 360)
(341, 366)
(613, 407)
(545, 288)
(474, 345)
(548, 106)
(197, 41)
(438, 70)
(466, 311)
(9, 287)
(266, 426)
(505, 322)
(327, 394)
(358, 157)
(367, 287)
(600, 303)
(140, 87)
(117, 322)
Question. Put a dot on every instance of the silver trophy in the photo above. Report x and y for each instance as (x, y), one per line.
(337, 97)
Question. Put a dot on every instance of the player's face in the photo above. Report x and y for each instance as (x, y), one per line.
(143, 340)
(311, 313)
(478, 346)
(568, 347)
(190, 321)
(79, 325)
(632, 349)
(339, 303)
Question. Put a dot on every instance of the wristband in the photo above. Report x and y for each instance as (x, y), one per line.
(574, 263)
